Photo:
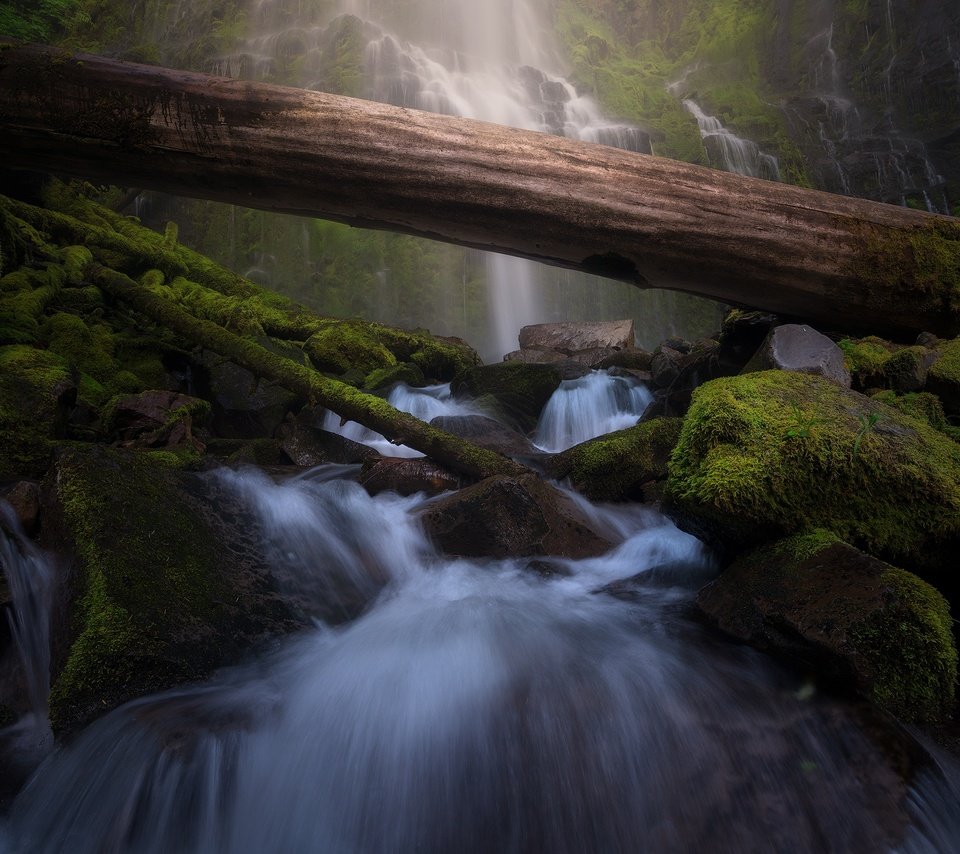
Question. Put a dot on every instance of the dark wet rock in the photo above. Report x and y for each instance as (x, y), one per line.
(665, 365)
(535, 356)
(630, 358)
(856, 619)
(575, 337)
(623, 466)
(907, 369)
(24, 498)
(244, 406)
(487, 433)
(511, 517)
(157, 419)
(741, 335)
(407, 476)
(796, 347)
(146, 613)
(677, 373)
(518, 391)
(307, 445)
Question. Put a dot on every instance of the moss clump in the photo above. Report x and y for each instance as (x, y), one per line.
(339, 348)
(865, 358)
(37, 391)
(386, 377)
(156, 601)
(520, 390)
(88, 348)
(853, 617)
(618, 467)
(768, 454)
(947, 367)
(920, 405)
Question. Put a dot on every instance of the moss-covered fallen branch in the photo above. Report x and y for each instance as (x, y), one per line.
(346, 401)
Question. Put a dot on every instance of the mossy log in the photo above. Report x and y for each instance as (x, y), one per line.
(842, 262)
(346, 401)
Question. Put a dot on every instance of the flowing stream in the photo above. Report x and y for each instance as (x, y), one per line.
(480, 706)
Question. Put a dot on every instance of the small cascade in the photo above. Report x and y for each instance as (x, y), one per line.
(425, 403)
(30, 575)
(477, 707)
(587, 407)
(729, 151)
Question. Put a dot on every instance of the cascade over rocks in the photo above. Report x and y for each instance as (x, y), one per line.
(514, 390)
(854, 618)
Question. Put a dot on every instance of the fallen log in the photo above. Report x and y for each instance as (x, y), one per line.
(845, 263)
(457, 454)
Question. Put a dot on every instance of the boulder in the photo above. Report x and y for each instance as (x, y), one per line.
(574, 337)
(487, 433)
(765, 455)
(147, 612)
(407, 476)
(535, 356)
(157, 418)
(741, 335)
(795, 347)
(511, 517)
(517, 391)
(629, 358)
(854, 618)
(943, 376)
(307, 445)
(627, 465)
(676, 373)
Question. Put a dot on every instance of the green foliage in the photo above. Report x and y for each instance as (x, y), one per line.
(39, 20)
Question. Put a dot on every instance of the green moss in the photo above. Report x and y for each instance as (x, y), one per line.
(89, 348)
(865, 357)
(618, 466)
(520, 390)
(947, 367)
(75, 261)
(920, 405)
(743, 469)
(339, 347)
(141, 589)
(385, 377)
(909, 646)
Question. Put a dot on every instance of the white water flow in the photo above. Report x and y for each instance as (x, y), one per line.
(477, 707)
(590, 406)
(729, 151)
(425, 403)
(30, 575)
(490, 61)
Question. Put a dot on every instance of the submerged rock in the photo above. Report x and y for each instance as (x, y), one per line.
(767, 454)
(511, 517)
(857, 619)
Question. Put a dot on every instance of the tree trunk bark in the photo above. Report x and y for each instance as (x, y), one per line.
(843, 263)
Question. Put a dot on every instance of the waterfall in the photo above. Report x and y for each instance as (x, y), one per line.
(30, 574)
(477, 707)
(424, 403)
(729, 151)
(583, 408)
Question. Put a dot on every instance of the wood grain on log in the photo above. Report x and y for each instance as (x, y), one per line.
(840, 262)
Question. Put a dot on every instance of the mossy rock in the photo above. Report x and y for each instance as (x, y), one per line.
(520, 390)
(86, 347)
(621, 466)
(921, 405)
(854, 618)
(943, 378)
(865, 358)
(765, 455)
(383, 378)
(168, 581)
(37, 392)
(339, 348)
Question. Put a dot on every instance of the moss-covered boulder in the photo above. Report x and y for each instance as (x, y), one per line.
(37, 392)
(943, 378)
(623, 466)
(764, 455)
(858, 620)
(168, 583)
(347, 349)
(517, 391)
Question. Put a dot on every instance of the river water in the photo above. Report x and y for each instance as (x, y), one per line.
(482, 706)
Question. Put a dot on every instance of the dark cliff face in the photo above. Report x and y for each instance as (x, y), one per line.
(872, 95)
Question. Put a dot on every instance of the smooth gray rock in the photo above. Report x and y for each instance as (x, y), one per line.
(797, 347)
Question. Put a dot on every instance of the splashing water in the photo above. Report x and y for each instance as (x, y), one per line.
(476, 707)
(587, 407)
(425, 403)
